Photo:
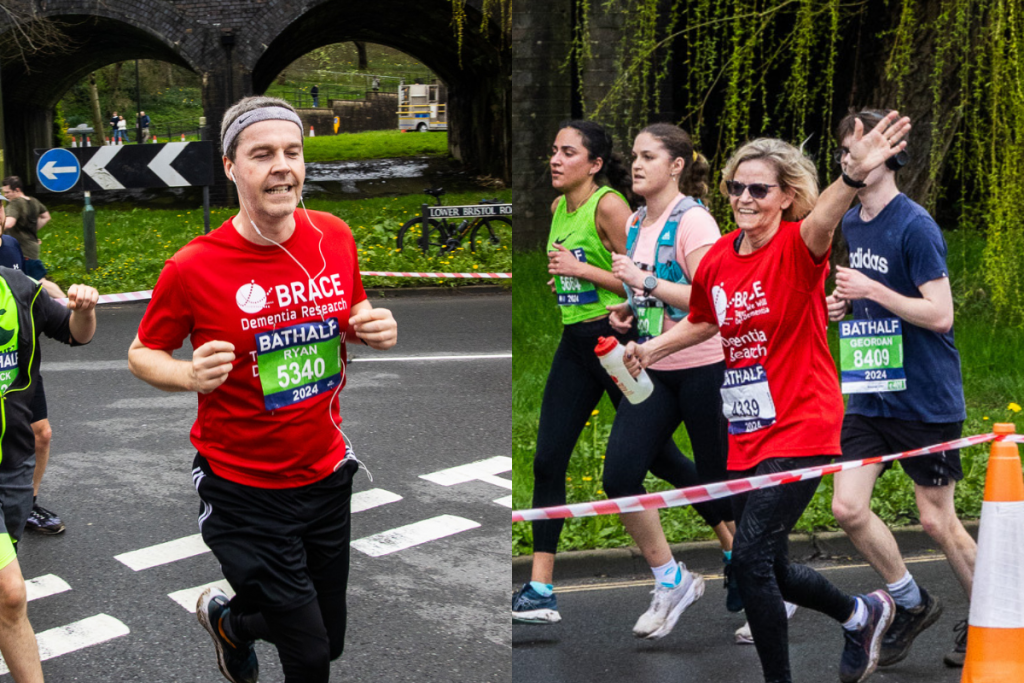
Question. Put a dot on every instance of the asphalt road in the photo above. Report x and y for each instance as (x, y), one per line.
(423, 606)
(594, 641)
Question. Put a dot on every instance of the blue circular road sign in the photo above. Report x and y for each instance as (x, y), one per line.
(58, 170)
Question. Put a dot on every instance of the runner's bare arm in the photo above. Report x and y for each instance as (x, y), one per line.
(933, 311)
(375, 326)
(612, 216)
(52, 288)
(683, 335)
(207, 370)
(82, 301)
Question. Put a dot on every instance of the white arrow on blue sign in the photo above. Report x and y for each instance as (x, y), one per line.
(58, 170)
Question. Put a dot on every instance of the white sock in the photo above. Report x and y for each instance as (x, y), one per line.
(905, 592)
(859, 619)
(668, 575)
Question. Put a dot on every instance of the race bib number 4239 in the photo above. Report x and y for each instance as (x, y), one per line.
(298, 362)
(747, 400)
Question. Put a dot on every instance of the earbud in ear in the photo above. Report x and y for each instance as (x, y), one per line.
(231, 174)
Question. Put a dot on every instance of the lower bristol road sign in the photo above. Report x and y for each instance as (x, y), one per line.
(58, 170)
(119, 167)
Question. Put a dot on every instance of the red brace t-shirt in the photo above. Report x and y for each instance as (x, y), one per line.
(780, 393)
(270, 424)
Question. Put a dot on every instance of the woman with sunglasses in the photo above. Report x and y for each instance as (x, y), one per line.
(666, 240)
(762, 288)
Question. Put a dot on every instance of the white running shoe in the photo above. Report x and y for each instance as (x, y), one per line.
(743, 635)
(666, 606)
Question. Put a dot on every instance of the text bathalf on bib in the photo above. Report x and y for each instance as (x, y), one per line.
(746, 399)
(571, 290)
(871, 356)
(298, 362)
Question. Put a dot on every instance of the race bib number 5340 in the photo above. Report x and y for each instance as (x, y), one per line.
(298, 362)
(747, 400)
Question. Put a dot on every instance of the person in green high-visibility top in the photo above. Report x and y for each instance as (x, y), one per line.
(26, 311)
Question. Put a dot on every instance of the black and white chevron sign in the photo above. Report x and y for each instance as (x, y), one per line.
(171, 164)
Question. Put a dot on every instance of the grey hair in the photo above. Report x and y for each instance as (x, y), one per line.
(793, 171)
(242, 106)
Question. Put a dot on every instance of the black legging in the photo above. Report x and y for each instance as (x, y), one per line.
(760, 558)
(574, 387)
(691, 397)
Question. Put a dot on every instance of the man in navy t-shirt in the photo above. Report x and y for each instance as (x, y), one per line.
(902, 371)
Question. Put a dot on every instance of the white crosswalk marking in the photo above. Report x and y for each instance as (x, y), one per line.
(188, 597)
(411, 535)
(163, 553)
(364, 500)
(44, 586)
(506, 501)
(76, 636)
(482, 470)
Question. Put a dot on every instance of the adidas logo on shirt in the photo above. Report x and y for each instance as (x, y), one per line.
(865, 260)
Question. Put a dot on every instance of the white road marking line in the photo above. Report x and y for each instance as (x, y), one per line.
(76, 636)
(163, 553)
(365, 500)
(44, 586)
(188, 597)
(404, 537)
(506, 501)
(482, 470)
(398, 359)
(190, 546)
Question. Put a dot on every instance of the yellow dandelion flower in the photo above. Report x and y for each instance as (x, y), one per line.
(985, 418)
(1014, 407)
(595, 413)
(588, 424)
(588, 479)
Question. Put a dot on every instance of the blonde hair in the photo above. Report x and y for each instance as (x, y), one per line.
(793, 170)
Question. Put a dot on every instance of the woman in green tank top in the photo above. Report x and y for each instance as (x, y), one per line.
(588, 224)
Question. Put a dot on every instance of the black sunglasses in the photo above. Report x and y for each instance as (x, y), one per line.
(838, 154)
(757, 190)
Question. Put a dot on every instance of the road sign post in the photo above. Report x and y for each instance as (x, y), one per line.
(89, 233)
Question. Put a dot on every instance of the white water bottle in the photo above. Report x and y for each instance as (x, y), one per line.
(609, 353)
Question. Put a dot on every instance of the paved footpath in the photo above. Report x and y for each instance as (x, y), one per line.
(113, 597)
(594, 642)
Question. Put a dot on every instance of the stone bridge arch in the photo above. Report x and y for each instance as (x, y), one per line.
(239, 46)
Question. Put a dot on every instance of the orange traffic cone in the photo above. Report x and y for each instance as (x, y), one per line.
(183, 137)
(995, 633)
(312, 133)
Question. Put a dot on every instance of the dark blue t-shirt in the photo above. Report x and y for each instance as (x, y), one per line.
(10, 253)
(903, 248)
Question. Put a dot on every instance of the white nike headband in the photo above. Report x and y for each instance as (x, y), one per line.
(255, 116)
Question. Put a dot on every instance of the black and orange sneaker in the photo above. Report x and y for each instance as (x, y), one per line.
(237, 661)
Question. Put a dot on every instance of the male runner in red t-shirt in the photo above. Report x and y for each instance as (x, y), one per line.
(268, 301)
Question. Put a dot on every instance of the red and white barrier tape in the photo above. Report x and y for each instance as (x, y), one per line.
(700, 494)
(148, 294)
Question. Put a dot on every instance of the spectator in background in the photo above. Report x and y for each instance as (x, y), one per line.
(25, 216)
(144, 125)
(315, 92)
(122, 130)
(113, 127)
(376, 83)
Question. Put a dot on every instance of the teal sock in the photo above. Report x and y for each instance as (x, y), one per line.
(668, 575)
(545, 589)
(728, 555)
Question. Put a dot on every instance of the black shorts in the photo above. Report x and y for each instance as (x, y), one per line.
(278, 548)
(867, 437)
(39, 403)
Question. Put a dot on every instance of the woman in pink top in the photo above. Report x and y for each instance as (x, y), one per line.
(666, 240)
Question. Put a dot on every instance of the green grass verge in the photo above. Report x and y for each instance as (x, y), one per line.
(375, 144)
(993, 378)
(133, 245)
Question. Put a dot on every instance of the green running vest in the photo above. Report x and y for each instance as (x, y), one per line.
(580, 300)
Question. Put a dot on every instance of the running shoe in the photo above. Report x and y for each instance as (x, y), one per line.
(530, 607)
(43, 521)
(860, 654)
(733, 599)
(955, 657)
(237, 661)
(667, 605)
(907, 625)
(745, 637)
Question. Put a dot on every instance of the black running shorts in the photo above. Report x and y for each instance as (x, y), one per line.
(38, 406)
(867, 437)
(277, 547)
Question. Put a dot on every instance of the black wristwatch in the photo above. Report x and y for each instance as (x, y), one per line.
(650, 282)
(856, 184)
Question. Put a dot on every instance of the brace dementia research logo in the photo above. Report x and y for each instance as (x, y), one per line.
(251, 298)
